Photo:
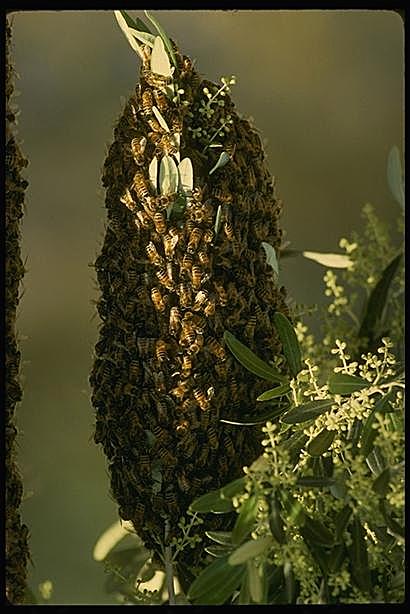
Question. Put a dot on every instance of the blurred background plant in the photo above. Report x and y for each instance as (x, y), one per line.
(326, 89)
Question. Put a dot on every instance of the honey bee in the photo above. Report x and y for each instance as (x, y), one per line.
(250, 327)
(199, 323)
(161, 350)
(187, 336)
(159, 381)
(186, 263)
(196, 346)
(153, 255)
(188, 406)
(169, 144)
(164, 278)
(228, 229)
(196, 276)
(183, 482)
(161, 100)
(194, 239)
(187, 445)
(166, 457)
(171, 501)
(145, 346)
(228, 445)
(174, 320)
(186, 366)
(203, 454)
(128, 200)
(223, 297)
(185, 296)
(146, 103)
(134, 369)
(169, 245)
(143, 219)
(200, 299)
(209, 308)
(137, 149)
(162, 412)
(160, 434)
(155, 125)
(208, 236)
(157, 299)
(155, 138)
(181, 389)
(140, 186)
(182, 427)
(215, 348)
(201, 399)
(203, 258)
(212, 437)
(159, 222)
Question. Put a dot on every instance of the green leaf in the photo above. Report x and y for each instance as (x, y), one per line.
(271, 258)
(290, 342)
(137, 23)
(222, 161)
(321, 442)
(395, 176)
(342, 383)
(342, 520)
(245, 520)
(369, 433)
(250, 361)
(250, 549)
(164, 37)
(307, 411)
(255, 581)
(316, 532)
(275, 519)
(290, 583)
(333, 261)
(381, 483)
(143, 37)
(294, 510)
(313, 482)
(359, 557)
(216, 583)
(168, 176)
(377, 301)
(273, 393)
(233, 488)
(220, 537)
(256, 418)
(125, 29)
(211, 502)
(336, 558)
(218, 550)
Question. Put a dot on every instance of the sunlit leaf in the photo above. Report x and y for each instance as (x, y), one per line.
(108, 540)
(163, 36)
(222, 160)
(168, 176)
(321, 442)
(212, 502)
(395, 176)
(124, 27)
(333, 261)
(233, 488)
(160, 118)
(245, 520)
(250, 549)
(273, 393)
(160, 64)
(293, 508)
(250, 361)
(290, 583)
(290, 342)
(307, 411)
(271, 258)
(255, 581)
(342, 383)
(186, 174)
(216, 583)
(144, 37)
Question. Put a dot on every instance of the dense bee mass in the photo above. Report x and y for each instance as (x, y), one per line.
(16, 533)
(171, 283)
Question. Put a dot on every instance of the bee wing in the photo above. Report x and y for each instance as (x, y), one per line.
(168, 176)
(271, 257)
(153, 172)
(186, 175)
(126, 30)
(160, 119)
(160, 64)
(218, 219)
(222, 160)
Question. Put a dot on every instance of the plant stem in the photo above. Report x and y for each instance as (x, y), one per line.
(169, 573)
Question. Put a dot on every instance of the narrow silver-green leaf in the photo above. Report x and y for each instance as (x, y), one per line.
(307, 411)
(163, 36)
(125, 29)
(271, 258)
(359, 557)
(220, 537)
(250, 361)
(321, 442)
(222, 160)
(160, 118)
(245, 520)
(136, 23)
(256, 418)
(255, 581)
(317, 532)
(144, 37)
(333, 261)
(275, 520)
(395, 176)
(216, 583)
(290, 342)
(381, 483)
(218, 550)
(211, 502)
(273, 393)
(250, 549)
(233, 488)
(168, 176)
(218, 219)
(342, 383)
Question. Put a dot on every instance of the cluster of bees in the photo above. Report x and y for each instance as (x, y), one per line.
(16, 534)
(170, 285)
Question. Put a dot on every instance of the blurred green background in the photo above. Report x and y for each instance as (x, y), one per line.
(325, 89)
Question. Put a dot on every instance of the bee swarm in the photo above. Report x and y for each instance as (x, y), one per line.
(173, 278)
